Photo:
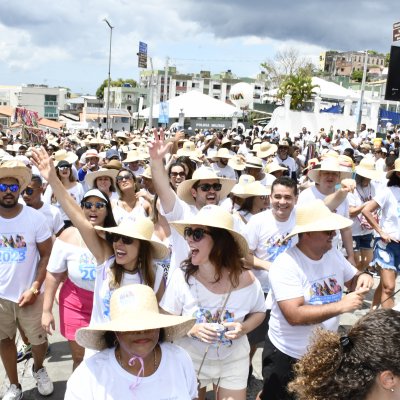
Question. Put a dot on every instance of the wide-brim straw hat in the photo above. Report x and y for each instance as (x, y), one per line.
(214, 217)
(186, 150)
(251, 190)
(63, 155)
(237, 162)
(134, 308)
(244, 179)
(396, 168)
(113, 164)
(203, 173)
(147, 173)
(254, 162)
(266, 149)
(274, 167)
(366, 169)
(141, 229)
(223, 152)
(134, 155)
(17, 170)
(329, 164)
(92, 176)
(317, 217)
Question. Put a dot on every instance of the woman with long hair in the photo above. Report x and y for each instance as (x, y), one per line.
(104, 180)
(226, 299)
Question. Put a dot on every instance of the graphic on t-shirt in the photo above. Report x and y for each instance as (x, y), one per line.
(326, 290)
(87, 267)
(12, 248)
(276, 245)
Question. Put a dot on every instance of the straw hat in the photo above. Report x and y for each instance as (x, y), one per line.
(252, 189)
(396, 168)
(274, 167)
(17, 170)
(266, 149)
(366, 169)
(316, 217)
(346, 162)
(329, 154)
(63, 155)
(214, 217)
(141, 229)
(243, 180)
(147, 173)
(254, 162)
(186, 150)
(223, 152)
(200, 174)
(91, 177)
(237, 162)
(134, 308)
(329, 164)
(134, 155)
(113, 164)
(283, 143)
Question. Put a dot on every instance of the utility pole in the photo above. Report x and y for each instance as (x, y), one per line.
(165, 93)
(150, 122)
(364, 77)
(109, 72)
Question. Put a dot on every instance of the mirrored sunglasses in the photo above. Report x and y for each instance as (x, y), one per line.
(29, 191)
(196, 234)
(89, 205)
(13, 187)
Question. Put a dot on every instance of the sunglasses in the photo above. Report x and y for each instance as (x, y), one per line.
(89, 205)
(180, 174)
(121, 178)
(115, 237)
(196, 234)
(206, 187)
(64, 167)
(29, 191)
(13, 187)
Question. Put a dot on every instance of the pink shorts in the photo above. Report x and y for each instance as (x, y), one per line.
(75, 306)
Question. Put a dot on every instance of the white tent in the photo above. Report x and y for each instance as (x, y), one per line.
(194, 104)
(331, 90)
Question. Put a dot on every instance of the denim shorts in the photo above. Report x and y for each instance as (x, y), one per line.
(387, 255)
(363, 242)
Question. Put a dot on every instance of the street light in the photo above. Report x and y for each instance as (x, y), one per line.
(109, 71)
(364, 77)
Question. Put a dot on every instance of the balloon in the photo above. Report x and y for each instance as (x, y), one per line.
(241, 94)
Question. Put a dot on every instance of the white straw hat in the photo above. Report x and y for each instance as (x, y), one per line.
(141, 229)
(396, 168)
(237, 162)
(273, 167)
(266, 149)
(203, 173)
(316, 217)
(329, 164)
(251, 190)
(223, 152)
(63, 155)
(17, 170)
(91, 177)
(254, 162)
(244, 179)
(366, 169)
(214, 217)
(134, 155)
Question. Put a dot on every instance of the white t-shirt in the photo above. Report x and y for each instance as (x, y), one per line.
(19, 254)
(120, 214)
(53, 217)
(100, 377)
(78, 261)
(197, 301)
(389, 201)
(225, 172)
(265, 236)
(102, 291)
(294, 275)
(287, 162)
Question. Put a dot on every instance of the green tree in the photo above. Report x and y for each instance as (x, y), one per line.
(357, 75)
(300, 87)
(387, 59)
(118, 83)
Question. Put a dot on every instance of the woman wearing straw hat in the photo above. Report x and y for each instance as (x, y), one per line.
(135, 359)
(387, 244)
(124, 254)
(226, 299)
(71, 256)
(104, 180)
(366, 178)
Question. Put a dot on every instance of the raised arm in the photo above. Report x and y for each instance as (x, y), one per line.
(98, 246)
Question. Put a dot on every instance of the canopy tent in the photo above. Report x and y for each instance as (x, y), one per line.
(194, 104)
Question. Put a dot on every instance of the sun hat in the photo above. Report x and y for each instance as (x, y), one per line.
(329, 154)
(186, 150)
(113, 164)
(92, 176)
(91, 153)
(224, 141)
(237, 162)
(283, 143)
(244, 179)
(346, 162)
(96, 193)
(142, 229)
(17, 170)
(254, 162)
(396, 168)
(134, 308)
(266, 149)
(329, 164)
(274, 167)
(63, 155)
(223, 152)
(203, 173)
(366, 169)
(251, 189)
(214, 217)
(134, 155)
(147, 173)
(316, 217)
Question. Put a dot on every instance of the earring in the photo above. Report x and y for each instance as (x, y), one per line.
(392, 390)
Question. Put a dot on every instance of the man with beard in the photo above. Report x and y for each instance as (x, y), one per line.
(22, 272)
(221, 167)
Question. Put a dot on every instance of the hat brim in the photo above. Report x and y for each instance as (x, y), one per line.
(391, 172)
(91, 177)
(174, 327)
(22, 174)
(314, 174)
(374, 175)
(69, 158)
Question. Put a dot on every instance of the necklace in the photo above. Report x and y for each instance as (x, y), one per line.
(364, 193)
(126, 367)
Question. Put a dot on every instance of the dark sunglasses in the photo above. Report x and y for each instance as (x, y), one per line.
(13, 187)
(180, 174)
(64, 167)
(196, 234)
(120, 178)
(29, 191)
(88, 204)
(115, 237)
(206, 187)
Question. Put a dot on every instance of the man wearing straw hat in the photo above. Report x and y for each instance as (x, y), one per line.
(25, 246)
(307, 283)
(204, 188)
(221, 167)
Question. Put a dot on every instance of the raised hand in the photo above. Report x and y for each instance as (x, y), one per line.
(44, 163)
(158, 149)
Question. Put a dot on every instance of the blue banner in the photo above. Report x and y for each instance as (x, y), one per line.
(163, 115)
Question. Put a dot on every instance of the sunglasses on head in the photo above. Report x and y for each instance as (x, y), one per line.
(89, 205)
(115, 237)
(13, 187)
(180, 174)
(120, 178)
(196, 234)
(206, 187)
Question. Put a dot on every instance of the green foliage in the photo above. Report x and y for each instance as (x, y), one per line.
(300, 87)
(357, 76)
(118, 83)
(387, 59)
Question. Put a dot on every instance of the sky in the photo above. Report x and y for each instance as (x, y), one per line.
(66, 42)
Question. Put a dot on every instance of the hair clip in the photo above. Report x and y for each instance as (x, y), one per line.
(345, 343)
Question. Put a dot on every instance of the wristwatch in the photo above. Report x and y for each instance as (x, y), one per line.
(34, 291)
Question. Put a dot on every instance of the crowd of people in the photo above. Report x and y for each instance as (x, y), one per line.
(216, 241)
